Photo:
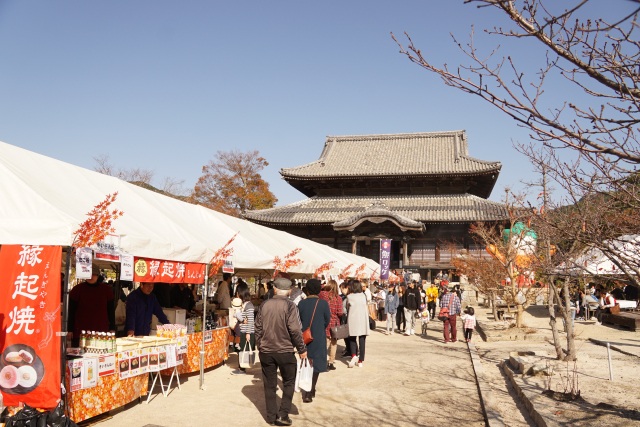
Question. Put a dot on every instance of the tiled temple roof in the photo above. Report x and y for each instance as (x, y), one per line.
(458, 208)
(380, 212)
(427, 153)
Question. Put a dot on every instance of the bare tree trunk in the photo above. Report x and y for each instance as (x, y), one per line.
(494, 309)
(552, 321)
(519, 315)
(568, 323)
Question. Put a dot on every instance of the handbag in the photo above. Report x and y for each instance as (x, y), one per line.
(247, 357)
(233, 320)
(339, 332)
(615, 309)
(306, 334)
(445, 312)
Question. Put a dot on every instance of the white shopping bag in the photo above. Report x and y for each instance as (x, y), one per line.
(304, 375)
(246, 357)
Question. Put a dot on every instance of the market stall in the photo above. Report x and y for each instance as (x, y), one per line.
(40, 214)
(103, 379)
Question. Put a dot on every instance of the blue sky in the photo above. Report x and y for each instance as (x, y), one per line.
(163, 85)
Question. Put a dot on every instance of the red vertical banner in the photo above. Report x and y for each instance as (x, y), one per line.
(30, 311)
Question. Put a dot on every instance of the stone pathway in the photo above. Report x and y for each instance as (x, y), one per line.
(406, 381)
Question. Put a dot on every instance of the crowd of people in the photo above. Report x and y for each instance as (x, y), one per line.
(275, 326)
(288, 311)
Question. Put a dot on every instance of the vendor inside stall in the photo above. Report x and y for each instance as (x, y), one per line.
(91, 307)
(142, 304)
(182, 297)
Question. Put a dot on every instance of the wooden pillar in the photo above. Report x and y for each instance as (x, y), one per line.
(405, 253)
(354, 245)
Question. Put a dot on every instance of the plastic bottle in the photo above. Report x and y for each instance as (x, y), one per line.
(83, 340)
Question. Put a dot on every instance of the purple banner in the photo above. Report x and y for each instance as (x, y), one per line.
(385, 258)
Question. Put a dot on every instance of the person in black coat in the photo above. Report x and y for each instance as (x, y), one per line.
(412, 300)
(316, 349)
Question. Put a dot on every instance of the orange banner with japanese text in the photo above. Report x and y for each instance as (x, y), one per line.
(30, 318)
(160, 271)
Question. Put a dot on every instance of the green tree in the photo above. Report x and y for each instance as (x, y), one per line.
(231, 183)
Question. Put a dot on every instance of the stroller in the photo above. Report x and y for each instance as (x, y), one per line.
(424, 318)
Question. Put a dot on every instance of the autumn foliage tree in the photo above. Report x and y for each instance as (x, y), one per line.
(98, 224)
(485, 273)
(327, 266)
(231, 183)
(221, 254)
(346, 271)
(283, 265)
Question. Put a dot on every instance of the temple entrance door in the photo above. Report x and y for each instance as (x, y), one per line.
(371, 249)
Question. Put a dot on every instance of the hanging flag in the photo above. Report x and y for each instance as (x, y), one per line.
(385, 258)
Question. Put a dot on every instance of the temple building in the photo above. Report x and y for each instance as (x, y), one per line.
(422, 190)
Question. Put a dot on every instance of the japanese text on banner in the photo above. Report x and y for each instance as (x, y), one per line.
(31, 348)
(385, 258)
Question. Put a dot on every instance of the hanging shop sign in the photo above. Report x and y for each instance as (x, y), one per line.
(227, 267)
(126, 267)
(107, 249)
(84, 257)
(30, 360)
(160, 271)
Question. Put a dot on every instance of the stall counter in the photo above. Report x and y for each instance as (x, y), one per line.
(111, 392)
(216, 351)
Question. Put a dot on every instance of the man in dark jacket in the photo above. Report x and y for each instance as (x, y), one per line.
(142, 304)
(278, 331)
(412, 300)
(91, 307)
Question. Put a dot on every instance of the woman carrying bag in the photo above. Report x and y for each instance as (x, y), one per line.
(316, 315)
(330, 294)
(246, 322)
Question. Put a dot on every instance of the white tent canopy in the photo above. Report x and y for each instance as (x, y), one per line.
(43, 201)
(594, 262)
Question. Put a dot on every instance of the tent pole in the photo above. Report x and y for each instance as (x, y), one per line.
(204, 322)
(65, 322)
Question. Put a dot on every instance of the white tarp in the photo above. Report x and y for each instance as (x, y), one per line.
(593, 261)
(43, 201)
